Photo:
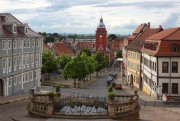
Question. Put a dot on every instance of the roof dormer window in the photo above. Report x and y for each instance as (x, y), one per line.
(14, 28)
(4, 18)
(174, 47)
(26, 30)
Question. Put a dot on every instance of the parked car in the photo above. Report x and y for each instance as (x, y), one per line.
(118, 86)
(110, 78)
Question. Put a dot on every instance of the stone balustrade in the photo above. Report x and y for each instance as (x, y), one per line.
(41, 104)
(121, 107)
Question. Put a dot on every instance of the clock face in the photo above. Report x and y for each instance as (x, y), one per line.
(100, 36)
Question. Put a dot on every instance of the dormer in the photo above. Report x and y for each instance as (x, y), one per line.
(11, 27)
(4, 18)
(23, 28)
(14, 28)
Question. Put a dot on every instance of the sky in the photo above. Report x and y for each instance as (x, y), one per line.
(82, 16)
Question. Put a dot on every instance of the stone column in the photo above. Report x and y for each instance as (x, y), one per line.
(50, 109)
(111, 109)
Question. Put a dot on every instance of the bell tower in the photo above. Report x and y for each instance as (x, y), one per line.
(101, 37)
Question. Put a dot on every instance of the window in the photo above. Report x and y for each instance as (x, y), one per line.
(30, 76)
(165, 67)
(24, 43)
(9, 62)
(26, 77)
(174, 48)
(4, 63)
(174, 88)
(14, 29)
(36, 58)
(35, 74)
(37, 42)
(26, 30)
(3, 45)
(27, 59)
(164, 88)
(15, 80)
(33, 42)
(15, 44)
(15, 62)
(19, 78)
(20, 43)
(10, 82)
(19, 60)
(9, 44)
(32, 59)
(28, 43)
(174, 67)
(24, 61)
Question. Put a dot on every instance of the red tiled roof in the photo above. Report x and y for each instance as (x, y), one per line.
(138, 43)
(61, 47)
(164, 39)
(45, 46)
(84, 45)
(166, 35)
(138, 30)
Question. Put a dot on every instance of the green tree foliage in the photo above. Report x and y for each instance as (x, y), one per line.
(75, 69)
(49, 63)
(119, 54)
(49, 39)
(101, 61)
(87, 51)
(112, 37)
(63, 60)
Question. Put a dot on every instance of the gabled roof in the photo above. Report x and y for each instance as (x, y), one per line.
(138, 43)
(138, 30)
(167, 34)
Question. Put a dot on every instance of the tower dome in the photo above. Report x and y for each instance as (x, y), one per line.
(101, 24)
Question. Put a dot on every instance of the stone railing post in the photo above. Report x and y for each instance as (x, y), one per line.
(111, 109)
(50, 109)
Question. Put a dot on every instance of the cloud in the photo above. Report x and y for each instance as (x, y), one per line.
(144, 5)
(172, 20)
(82, 16)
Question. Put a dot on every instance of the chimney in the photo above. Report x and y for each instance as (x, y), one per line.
(149, 25)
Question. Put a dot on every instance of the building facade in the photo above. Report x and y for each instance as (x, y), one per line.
(20, 56)
(134, 55)
(160, 63)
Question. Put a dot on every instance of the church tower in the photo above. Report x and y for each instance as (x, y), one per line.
(101, 37)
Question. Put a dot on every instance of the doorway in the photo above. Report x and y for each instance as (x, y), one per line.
(1, 87)
(165, 88)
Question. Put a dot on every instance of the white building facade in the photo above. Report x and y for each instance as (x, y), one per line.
(20, 56)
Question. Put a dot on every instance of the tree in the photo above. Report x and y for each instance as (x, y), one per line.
(49, 63)
(63, 60)
(87, 51)
(101, 62)
(75, 69)
(119, 54)
(49, 39)
(112, 37)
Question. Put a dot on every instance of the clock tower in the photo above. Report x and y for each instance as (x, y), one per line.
(101, 37)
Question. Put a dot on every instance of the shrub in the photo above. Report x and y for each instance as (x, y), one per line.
(51, 95)
(111, 95)
(110, 88)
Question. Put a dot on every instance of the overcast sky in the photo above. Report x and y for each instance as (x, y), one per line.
(82, 16)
